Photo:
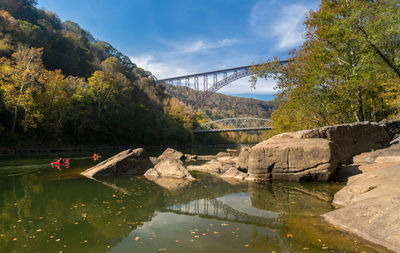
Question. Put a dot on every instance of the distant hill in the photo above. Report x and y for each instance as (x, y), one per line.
(219, 106)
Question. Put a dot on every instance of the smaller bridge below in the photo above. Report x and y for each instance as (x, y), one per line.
(234, 125)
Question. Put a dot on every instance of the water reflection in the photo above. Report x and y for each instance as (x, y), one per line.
(51, 211)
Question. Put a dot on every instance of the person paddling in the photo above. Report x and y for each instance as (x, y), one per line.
(60, 161)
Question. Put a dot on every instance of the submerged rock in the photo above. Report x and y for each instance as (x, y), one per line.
(128, 162)
(171, 184)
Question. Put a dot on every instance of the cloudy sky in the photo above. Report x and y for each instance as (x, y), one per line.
(177, 37)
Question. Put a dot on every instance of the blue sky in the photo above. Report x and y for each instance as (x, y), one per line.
(177, 37)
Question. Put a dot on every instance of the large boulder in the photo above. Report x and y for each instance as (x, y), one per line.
(351, 139)
(370, 207)
(128, 162)
(171, 154)
(291, 159)
(172, 168)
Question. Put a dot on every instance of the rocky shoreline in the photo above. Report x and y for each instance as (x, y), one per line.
(369, 205)
(363, 153)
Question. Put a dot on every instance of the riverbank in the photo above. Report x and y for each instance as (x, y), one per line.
(33, 150)
(369, 205)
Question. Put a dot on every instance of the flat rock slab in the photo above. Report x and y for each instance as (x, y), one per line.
(212, 167)
(128, 162)
(370, 207)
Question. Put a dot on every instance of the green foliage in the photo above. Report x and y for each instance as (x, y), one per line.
(59, 84)
(347, 69)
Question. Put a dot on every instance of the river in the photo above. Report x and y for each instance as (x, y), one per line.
(43, 209)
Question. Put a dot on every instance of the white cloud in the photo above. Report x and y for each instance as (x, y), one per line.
(200, 45)
(286, 27)
(158, 68)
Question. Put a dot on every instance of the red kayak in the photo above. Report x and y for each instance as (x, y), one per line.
(63, 163)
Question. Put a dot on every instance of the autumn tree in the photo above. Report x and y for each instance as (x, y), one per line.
(341, 72)
(20, 85)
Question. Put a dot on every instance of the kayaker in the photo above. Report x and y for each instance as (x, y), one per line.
(60, 161)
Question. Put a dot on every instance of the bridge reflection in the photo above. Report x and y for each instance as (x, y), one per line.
(217, 209)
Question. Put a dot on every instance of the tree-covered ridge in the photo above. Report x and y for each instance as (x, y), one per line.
(65, 45)
(58, 84)
(347, 70)
(219, 106)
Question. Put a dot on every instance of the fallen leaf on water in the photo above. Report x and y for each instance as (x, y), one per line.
(246, 245)
(84, 215)
(39, 230)
(57, 240)
(15, 239)
(224, 225)
(273, 230)
(19, 220)
(76, 223)
(176, 241)
(215, 232)
(196, 236)
(118, 213)
(85, 241)
(137, 238)
(289, 235)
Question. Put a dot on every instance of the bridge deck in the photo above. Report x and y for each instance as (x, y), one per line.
(231, 130)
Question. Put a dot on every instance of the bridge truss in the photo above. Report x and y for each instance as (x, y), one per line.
(234, 125)
(206, 83)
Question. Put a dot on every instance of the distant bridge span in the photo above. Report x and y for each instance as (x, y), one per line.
(234, 125)
(193, 81)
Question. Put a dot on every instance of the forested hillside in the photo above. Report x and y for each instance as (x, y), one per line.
(61, 85)
(219, 106)
(347, 70)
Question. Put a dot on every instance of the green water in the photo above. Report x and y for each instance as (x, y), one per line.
(43, 209)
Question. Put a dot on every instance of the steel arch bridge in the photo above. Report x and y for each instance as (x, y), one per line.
(195, 81)
(234, 125)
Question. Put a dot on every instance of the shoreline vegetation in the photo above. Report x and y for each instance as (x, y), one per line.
(46, 149)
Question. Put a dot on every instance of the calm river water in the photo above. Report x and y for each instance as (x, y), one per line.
(43, 209)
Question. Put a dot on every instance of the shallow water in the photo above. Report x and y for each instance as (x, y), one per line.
(43, 209)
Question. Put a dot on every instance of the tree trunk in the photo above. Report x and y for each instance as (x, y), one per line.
(373, 112)
(360, 104)
(14, 120)
(379, 52)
